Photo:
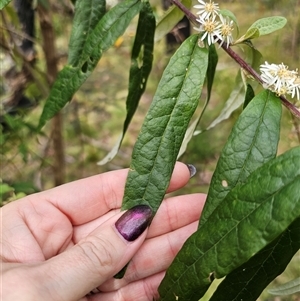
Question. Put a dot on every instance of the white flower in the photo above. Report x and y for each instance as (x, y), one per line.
(207, 9)
(280, 79)
(226, 30)
(211, 29)
(294, 89)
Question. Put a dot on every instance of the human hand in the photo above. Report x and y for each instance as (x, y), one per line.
(62, 243)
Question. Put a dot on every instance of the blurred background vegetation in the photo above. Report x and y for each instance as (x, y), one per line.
(92, 122)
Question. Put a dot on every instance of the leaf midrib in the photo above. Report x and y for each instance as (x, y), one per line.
(232, 229)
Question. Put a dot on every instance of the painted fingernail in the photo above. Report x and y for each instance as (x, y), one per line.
(192, 169)
(134, 222)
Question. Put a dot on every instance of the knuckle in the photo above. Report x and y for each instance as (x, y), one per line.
(98, 253)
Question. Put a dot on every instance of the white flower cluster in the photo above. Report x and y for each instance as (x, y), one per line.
(281, 80)
(214, 26)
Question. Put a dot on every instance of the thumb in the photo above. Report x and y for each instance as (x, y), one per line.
(99, 256)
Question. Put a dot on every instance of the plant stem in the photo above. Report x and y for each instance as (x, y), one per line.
(293, 109)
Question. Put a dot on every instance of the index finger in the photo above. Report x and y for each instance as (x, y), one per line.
(86, 199)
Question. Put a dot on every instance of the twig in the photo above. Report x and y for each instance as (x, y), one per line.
(292, 108)
(20, 34)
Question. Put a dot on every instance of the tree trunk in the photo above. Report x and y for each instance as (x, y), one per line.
(57, 122)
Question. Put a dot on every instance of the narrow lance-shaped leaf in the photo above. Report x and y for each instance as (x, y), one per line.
(254, 58)
(249, 280)
(210, 74)
(211, 70)
(252, 142)
(233, 102)
(251, 216)
(70, 78)
(141, 64)
(169, 20)
(248, 96)
(158, 143)
(287, 288)
(87, 14)
(3, 3)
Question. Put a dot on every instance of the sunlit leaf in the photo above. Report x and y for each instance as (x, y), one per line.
(269, 24)
(250, 34)
(5, 188)
(3, 3)
(262, 27)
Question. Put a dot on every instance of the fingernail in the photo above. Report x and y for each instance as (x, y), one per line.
(192, 169)
(134, 222)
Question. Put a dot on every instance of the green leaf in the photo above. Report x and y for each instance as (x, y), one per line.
(251, 216)
(68, 80)
(25, 187)
(211, 69)
(141, 64)
(249, 280)
(252, 56)
(234, 101)
(288, 288)
(107, 30)
(5, 188)
(250, 34)
(3, 3)
(161, 135)
(6, 191)
(268, 25)
(248, 96)
(87, 15)
(252, 142)
(169, 20)
(262, 27)
(23, 151)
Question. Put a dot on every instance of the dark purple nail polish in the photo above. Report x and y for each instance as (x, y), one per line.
(134, 222)
(192, 169)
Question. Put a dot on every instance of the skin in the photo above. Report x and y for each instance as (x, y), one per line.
(62, 243)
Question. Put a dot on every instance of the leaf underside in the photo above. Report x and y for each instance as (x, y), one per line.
(288, 288)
